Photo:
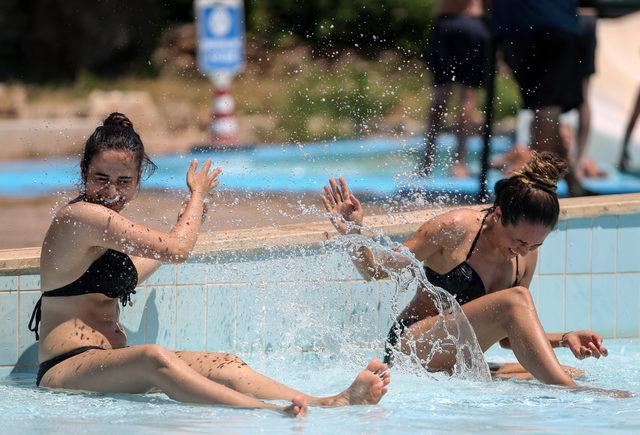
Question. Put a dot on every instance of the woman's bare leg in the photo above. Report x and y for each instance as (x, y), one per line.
(506, 313)
(227, 369)
(516, 371)
(139, 369)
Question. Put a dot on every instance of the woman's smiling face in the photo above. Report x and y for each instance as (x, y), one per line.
(111, 179)
(520, 238)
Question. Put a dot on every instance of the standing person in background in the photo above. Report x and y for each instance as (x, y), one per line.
(540, 41)
(456, 57)
(624, 157)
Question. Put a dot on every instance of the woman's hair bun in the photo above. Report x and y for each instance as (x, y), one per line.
(117, 119)
(543, 170)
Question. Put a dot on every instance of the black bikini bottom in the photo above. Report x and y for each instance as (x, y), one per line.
(45, 366)
(395, 332)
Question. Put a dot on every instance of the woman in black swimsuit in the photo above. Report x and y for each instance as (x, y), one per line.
(93, 258)
(485, 259)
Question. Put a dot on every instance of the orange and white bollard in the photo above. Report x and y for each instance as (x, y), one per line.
(223, 131)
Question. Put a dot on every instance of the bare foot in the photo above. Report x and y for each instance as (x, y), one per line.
(617, 394)
(588, 168)
(368, 387)
(298, 407)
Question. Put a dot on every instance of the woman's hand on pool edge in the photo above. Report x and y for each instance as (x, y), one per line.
(584, 344)
(345, 209)
(203, 181)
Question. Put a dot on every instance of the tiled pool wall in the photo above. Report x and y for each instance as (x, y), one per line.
(588, 276)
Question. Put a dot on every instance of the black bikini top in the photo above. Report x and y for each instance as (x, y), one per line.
(463, 282)
(113, 274)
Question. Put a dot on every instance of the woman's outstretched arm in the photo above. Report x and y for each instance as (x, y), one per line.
(146, 266)
(346, 214)
(96, 225)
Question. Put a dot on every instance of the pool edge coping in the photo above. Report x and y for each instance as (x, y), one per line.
(24, 261)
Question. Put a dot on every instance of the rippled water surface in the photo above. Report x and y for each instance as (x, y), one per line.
(414, 404)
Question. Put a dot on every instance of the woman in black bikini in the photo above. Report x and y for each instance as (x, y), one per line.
(93, 258)
(485, 259)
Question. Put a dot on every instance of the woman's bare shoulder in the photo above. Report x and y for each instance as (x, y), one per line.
(81, 211)
(458, 220)
(448, 229)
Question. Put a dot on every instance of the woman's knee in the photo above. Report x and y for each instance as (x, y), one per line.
(231, 363)
(234, 359)
(155, 356)
(518, 298)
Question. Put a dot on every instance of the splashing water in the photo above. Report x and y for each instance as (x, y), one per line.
(450, 334)
(323, 307)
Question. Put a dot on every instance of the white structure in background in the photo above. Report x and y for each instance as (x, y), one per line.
(220, 26)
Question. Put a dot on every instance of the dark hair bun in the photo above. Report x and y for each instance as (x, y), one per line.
(543, 170)
(119, 120)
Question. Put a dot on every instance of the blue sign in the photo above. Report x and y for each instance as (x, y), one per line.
(221, 35)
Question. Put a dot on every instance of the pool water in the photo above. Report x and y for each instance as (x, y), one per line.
(382, 166)
(416, 403)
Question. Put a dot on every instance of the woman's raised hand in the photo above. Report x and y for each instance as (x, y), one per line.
(346, 211)
(203, 181)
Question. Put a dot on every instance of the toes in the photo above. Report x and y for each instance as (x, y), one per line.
(374, 365)
(383, 368)
(387, 378)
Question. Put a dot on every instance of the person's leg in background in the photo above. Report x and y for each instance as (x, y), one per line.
(466, 127)
(587, 48)
(437, 111)
(624, 156)
(545, 135)
(584, 126)
(440, 65)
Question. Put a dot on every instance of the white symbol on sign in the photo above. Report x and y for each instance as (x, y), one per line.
(220, 22)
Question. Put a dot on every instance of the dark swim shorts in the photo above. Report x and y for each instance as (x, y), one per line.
(546, 65)
(588, 44)
(458, 50)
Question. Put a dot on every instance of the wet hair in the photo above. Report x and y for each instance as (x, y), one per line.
(530, 193)
(116, 133)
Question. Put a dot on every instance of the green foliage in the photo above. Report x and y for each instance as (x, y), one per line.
(87, 81)
(329, 24)
(507, 99)
(347, 99)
